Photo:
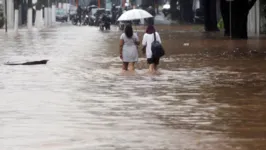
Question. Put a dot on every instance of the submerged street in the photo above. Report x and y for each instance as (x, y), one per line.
(208, 96)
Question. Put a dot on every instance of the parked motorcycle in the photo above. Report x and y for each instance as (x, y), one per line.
(94, 17)
(101, 26)
(86, 20)
(92, 20)
(105, 22)
(75, 19)
(105, 25)
(121, 26)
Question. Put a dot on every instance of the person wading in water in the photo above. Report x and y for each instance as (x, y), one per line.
(147, 41)
(128, 48)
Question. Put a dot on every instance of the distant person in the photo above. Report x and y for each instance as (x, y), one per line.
(106, 20)
(79, 13)
(114, 13)
(120, 12)
(150, 21)
(128, 48)
(147, 41)
(151, 10)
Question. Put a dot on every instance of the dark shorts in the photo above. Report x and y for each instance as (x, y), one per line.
(153, 61)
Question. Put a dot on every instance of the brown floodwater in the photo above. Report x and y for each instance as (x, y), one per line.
(210, 94)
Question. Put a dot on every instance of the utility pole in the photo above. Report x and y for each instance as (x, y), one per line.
(230, 9)
(6, 14)
(230, 16)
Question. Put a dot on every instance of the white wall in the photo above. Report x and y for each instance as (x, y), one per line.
(254, 19)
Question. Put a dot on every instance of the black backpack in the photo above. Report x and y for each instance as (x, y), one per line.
(157, 48)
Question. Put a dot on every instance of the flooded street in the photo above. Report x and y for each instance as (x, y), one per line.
(208, 97)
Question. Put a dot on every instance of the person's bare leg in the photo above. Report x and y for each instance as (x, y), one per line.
(151, 68)
(125, 66)
(156, 70)
(155, 67)
(131, 66)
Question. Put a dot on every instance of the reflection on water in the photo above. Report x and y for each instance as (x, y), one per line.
(201, 101)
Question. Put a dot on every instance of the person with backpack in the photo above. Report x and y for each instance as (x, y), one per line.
(152, 48)
(128, 48)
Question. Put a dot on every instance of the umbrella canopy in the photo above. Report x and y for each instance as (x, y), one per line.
(134, 14)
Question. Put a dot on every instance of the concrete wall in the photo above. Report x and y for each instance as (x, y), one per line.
(254, 19)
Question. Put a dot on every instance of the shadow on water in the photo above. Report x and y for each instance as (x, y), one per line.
(210, 95)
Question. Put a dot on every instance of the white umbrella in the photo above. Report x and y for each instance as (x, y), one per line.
(134, 14)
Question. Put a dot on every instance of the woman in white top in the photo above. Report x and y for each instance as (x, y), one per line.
(128, 48)
(148, 38)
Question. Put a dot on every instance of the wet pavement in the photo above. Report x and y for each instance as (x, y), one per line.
(210, 94)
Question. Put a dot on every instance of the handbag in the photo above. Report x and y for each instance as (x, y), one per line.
(157, 48)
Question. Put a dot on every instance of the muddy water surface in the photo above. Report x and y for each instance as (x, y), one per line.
(210, 95)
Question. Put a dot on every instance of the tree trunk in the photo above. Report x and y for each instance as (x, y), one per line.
(39, 18)
(23, 10)
(156, 6)
(29, 15)
(16, 21)
(173, 9)
(53, 11)
(46, 23)
(210, 16)
(50, 12)
(239, 17)
(186, 12)
(224, 7)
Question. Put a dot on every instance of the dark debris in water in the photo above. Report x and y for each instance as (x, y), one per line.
(41, 62)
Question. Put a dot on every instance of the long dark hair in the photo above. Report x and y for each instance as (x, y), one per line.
(150, 29)
(129, 31)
